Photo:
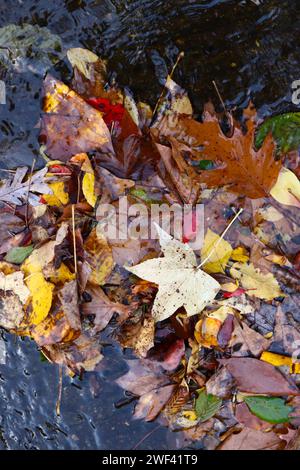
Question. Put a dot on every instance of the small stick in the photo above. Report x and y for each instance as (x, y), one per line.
(180, 56)
(28, 191)
(219, 96)
(220, 239)
(60, 387)
(74, 238)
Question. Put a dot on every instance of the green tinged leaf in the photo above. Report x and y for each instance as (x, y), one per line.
(207, 405)
(270, 409)
(206, 165)
(285, 129)
(19, 254)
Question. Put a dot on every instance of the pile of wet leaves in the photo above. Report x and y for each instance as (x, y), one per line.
(215, 329)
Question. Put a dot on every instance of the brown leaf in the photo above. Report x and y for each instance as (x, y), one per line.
(141, 379)
(259, 377)
(220, 384)
(287, 332)
(102, 308)
(245, 341)
(247, 172)
(249, 420)
(183, 177)
(251, 439)
(70, 125)
(150, 404)
(83, 354)
(138, 334)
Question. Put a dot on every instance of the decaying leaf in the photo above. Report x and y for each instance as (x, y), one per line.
(17, 191)
(101, 307)
(98, 255)
(70, 125)
(180, 282)
(150, 404)
(251, 439)
(14, 282)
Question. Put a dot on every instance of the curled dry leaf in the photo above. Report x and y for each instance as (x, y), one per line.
(180, 282)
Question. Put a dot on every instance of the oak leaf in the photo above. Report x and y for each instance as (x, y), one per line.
(247, 171)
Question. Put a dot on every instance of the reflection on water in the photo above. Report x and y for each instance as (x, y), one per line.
(250, 51)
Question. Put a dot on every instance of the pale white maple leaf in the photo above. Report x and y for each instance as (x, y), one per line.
(180, 282)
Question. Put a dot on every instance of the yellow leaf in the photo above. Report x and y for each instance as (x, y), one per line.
(41, 292)
(287, 188)
(280, 360)
(230, 286)
(190, 415)
(220, 253)
(88, 188)
(60, 275)
(98, 254)
(276, 359)
(263, 286)
(240, 254)
(206, 331)
(222, 313)
(59, 196)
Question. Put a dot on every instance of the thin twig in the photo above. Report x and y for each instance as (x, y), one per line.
(28, 191)
(146, 437)
(219, 95)
(220, 239)
(60, 387)
(74, 238)
(180, 56)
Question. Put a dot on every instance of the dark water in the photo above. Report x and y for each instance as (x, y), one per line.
(250, 51)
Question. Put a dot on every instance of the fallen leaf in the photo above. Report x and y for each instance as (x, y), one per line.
(251, 439)
(180, 282)
(141, 379)
(151, 404)
(101, 307)
(58, 195)
(284, 129)
(257, 284)
(98, 255)
(206, 405)
(138, 333)
(17, 191)
(246, 171)
(11, 311)
(287, 188)
(14, 282)
(70, 125)
(270, 409)
(219, 255)
(245, 340)
(249, 420)
(255, 376)
(18, 254)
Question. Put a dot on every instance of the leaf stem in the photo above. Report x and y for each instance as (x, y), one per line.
(220, 239)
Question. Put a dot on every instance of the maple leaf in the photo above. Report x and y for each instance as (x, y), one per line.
(181, 283)
(247, 171)
(17, 191)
